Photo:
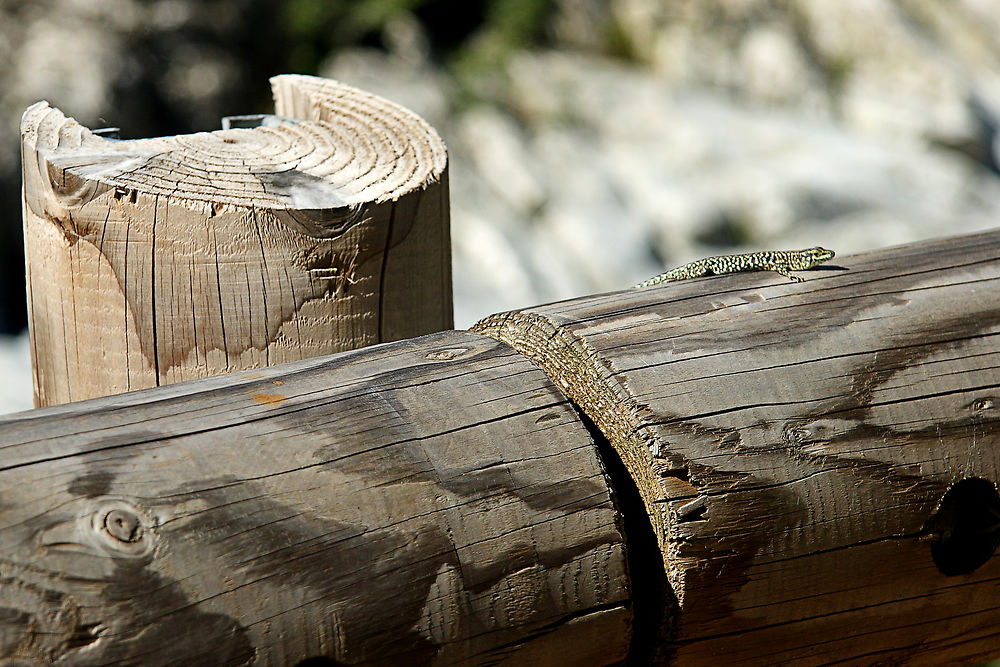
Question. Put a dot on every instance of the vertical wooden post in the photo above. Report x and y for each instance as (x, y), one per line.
(152, 261)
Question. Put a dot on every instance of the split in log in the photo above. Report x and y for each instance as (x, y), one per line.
(152, 261)
(794, 442)
(434, 501)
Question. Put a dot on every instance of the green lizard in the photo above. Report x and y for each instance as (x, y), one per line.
(779, 261)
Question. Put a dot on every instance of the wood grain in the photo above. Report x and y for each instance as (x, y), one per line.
(152, 261)
(792, 444)
(432, 501)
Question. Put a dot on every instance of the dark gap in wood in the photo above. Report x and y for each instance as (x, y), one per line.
(381, 277)
(682, 474)
(654, 606)
(152, 290)
(696, 510)
(500, 649)
(966, 526)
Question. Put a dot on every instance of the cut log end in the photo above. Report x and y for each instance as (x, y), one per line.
(340, 149)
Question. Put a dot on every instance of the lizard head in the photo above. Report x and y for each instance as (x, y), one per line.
(810, 257)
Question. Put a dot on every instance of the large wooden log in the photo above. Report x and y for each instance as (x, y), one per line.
(794, 445)
(817, 463)
(152, 261)
(434, 501)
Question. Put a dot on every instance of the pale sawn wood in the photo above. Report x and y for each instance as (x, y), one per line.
(432, 501)
(792, 442)
(152, 261)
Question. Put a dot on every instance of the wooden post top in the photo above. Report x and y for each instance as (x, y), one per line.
(337, 147)
(152, 261)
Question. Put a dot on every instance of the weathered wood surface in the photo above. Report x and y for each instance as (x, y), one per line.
(152, 261)
(433, 501)
(792, 443)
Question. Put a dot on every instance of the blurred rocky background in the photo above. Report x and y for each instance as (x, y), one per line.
(592, 142)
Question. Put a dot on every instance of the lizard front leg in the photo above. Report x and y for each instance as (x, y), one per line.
(788, 274)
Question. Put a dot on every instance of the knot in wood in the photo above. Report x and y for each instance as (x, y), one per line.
(123, 526)
(982, 404)
(123, 529)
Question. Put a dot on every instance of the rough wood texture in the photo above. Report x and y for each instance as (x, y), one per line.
(434, 501)
(157, 260)
(792, 443)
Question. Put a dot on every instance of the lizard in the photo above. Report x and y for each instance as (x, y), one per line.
(779, 261)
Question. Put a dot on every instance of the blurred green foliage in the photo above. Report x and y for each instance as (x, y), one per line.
(316, 27)
(467, 37)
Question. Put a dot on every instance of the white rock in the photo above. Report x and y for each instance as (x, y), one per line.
(16, 392)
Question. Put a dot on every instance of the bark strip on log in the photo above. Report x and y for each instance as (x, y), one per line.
(432, 501)
(794, 443)
(152, 261)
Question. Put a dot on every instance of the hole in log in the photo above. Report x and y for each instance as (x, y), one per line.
(966, 526)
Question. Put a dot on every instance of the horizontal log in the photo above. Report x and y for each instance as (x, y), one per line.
(819, 460)
(432, 501)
